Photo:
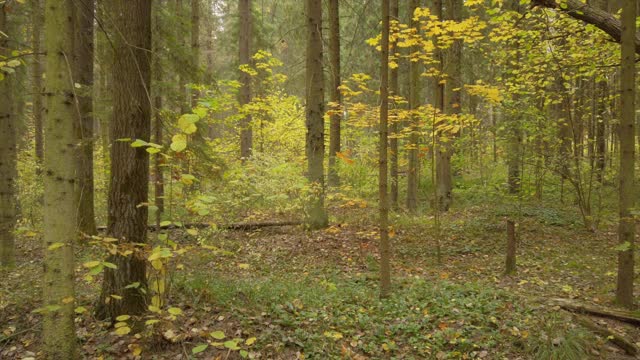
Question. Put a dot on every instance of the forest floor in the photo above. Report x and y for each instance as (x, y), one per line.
(285, 293)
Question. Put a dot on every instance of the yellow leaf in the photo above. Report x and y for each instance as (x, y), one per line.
(333, 334)
(124, 330)
(123, 318)
(91, 264)
(250, 341)
(67, 300)
(55, 246)
(243, 266)
(175, 311)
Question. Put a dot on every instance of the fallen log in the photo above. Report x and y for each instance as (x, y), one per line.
(619, 315)
(246, 226)
(589, 14)
(620, 341)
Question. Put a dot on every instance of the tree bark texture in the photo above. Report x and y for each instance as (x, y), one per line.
(246, 133)
(37, 12)
(127, 220)
(314, 83)
(8, 152)
(385, 248)
(334, 54)
(60, 181)
(394, 90)
(414, 136)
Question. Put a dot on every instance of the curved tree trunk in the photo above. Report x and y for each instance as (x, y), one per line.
(60, 180)
(127, 221)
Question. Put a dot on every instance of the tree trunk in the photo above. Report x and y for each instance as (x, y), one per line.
(626, 227)
(36, 73)
(158, 103)
(82, 70)
(600, 18)
(127, 221)
(8, 153)
(60, 180)
(385, 248)
(394, 86)
(246, 133)
(334, 54)
(195, 50)
(414, 103)
(317, 215)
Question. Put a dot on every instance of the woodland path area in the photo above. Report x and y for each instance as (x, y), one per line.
(284, 287)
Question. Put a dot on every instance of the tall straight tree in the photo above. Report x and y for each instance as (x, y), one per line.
(37, 18)
(246, 134)
(444, 180)
(626, 227)
(82, 69)
(314, 79)
(385, 247)
(394, 89)
(8, 171)
(195, 48)
(334, 93)
(60, 180)
(414, 103)
(127, 218)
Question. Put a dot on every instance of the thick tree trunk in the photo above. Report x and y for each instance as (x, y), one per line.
(127, 221)
(394, 89)
(83, 14)
(8, 170)
(626, 227)
(36, 73)
(317, 215)
(385, 248)
(414, 136)
(602, 19)
(60, 180)
(334, 54)
(246, 133)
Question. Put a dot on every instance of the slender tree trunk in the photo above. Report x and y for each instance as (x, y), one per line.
(8, 152)
(36, 73)
(334, 53)
(315, 115)
(60, 180)
(127, 220)
(157, 126)
(195, 49)
(414, 137)
(385, 248)
(394, 87)
(246, 133)
(626, 227)
(83, 14)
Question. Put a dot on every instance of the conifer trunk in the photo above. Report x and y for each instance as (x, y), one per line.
(317, 216)
(60, 180)
(246, 133)
(8, 170)
(626, 227)
(83, 14)
(127, 220)
(334, 53)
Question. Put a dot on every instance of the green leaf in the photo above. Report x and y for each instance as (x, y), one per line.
(625, 246)
(178, 142)
(244, 354)
(152, 150)
(231, 345)
(175, 311)
(109, 265)
(91, 264)
(123, 318)
(218, 335)
(123, 330)
(200, 348)
(139, 143)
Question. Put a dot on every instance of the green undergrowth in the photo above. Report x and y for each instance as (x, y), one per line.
(334, 316)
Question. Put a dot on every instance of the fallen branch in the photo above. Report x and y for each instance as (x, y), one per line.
(234, 226)
(620, 341)
(601, 312)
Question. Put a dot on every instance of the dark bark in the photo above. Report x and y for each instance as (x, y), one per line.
(394, 89)
(127, 221)
(385, 247)
(246, 133)
(414, 137)
(314, 79)
(83, 15)
(335, 96)
(36, 73)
